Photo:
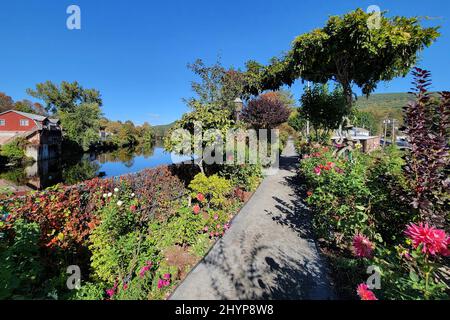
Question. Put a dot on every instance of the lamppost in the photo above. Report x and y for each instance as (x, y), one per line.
(238, 107)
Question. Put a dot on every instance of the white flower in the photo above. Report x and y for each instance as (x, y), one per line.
(116, 190)
(109, 195)
(119, 203)
(105, 195)
(132, 195)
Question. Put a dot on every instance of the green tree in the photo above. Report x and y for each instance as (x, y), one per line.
(65, 97)
(211, 107)
(145, 133)
(324, 109)
(77, 108)
(365, 120)
(82, 125)
(347, 50)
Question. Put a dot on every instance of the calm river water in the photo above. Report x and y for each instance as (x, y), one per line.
(45, 174)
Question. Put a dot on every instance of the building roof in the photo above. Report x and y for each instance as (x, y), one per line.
(32, 116)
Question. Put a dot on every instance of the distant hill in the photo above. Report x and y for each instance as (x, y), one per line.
(161, 130)
(386, 104)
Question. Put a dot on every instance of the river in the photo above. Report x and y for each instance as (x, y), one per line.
(44, 174)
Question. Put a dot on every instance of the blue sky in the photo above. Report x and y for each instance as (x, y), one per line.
(135, 52)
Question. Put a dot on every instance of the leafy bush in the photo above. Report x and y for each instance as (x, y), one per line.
(89, 291)
(214, 188)
(20, 264)
(267, 111)
(339, 196)
(245, 176)
(14, 151)
(426, 128)
(119, 242)
(182, 229)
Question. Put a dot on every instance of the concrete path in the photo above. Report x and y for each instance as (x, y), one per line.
(268, 253)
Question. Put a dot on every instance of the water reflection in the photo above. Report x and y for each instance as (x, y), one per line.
(44, 174)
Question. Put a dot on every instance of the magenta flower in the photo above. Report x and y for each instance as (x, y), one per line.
(110, 293)
(434, 241)
(164, 282)
(317, 171)
(362, 246)
(216, 217)
(145, 268)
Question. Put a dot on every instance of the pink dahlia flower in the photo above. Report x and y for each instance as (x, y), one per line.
(434, 241)
(362, 246)
(365, 293)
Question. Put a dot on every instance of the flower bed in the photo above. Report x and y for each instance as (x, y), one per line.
(375, 214)
(133, 237)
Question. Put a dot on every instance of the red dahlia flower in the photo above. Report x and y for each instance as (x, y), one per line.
(200, 197)
(196, 209)
(365, 293)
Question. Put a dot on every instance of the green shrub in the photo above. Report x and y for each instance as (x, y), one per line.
(120, 242)
(339, 196)
(89, 291)
(246, 176)
(20, 265)
(182, 229)
(14, 151)
(214, 188)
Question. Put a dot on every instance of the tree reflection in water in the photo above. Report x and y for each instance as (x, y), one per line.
(74, 169)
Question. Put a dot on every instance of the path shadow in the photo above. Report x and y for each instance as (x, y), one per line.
(294, 214)
(265, 274)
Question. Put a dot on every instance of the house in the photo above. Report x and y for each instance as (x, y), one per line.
(44, 134)
(360, 135)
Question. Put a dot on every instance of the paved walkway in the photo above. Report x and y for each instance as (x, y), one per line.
(268, 253)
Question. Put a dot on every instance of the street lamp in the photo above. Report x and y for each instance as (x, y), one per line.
(238, 107)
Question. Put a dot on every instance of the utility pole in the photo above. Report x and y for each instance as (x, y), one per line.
(394, 141)
(307, 121)
(385, 122)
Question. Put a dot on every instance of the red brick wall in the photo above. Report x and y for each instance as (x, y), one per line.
(13, 122)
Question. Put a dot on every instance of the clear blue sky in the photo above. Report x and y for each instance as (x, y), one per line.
(135, 52)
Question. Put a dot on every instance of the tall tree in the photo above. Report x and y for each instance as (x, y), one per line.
(211, 107)
(350, 51)
(6, 102)
(78, 109)
(65, 97)
(324, 109)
